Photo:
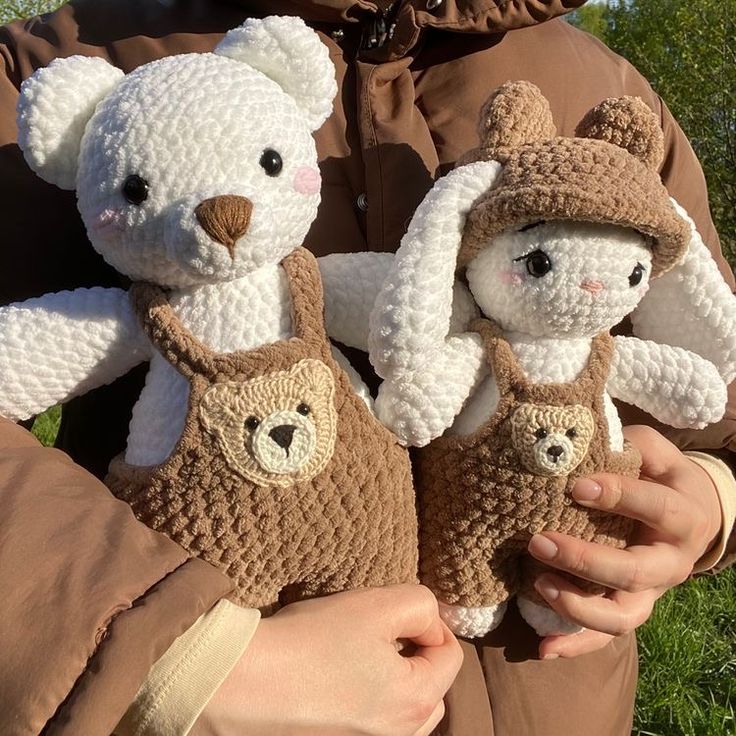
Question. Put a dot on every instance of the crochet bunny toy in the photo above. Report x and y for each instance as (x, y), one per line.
(559, 239)
(197, 178)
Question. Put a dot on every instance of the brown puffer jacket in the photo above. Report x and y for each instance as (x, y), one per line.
(91, 598)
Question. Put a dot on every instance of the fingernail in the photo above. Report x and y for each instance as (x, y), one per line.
(551, 655)
(542, 547)
(586, 490)
(547, 589)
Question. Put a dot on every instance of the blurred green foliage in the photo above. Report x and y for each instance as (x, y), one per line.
(687, 50)
(14, 9)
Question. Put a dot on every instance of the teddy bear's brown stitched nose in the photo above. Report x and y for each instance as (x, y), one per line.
(283, 436)
(225, 218)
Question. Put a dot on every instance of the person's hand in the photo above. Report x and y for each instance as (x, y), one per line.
(331, 666)
(677, 505)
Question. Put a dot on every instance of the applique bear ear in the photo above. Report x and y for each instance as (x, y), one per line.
(55, 105)
(291, 54)
(515, 114)
(629, 123)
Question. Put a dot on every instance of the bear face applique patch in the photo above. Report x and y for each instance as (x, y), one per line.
(552, 440)
(277, 429)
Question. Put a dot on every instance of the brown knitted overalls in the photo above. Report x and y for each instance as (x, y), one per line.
(482, 496)
(282, 477)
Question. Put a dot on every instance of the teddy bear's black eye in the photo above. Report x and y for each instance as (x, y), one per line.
(135, 189)
(541, 433)
(636, 275)
(271, 162)
(538, 263)
(251, 423)
(572, 433)
(303, 409)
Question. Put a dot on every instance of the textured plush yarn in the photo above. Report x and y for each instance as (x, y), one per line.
(353, 524)
(479, 502)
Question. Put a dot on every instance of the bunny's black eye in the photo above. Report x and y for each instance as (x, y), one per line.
(636, 275)
(271, 162)
(538, 263)
(531, 225)
(135, 189)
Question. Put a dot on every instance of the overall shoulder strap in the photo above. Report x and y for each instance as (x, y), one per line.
(501, 359)
(595, 375)
(307, 299)
(167, 334)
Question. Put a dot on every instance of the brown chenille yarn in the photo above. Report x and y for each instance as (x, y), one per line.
(607, 174)
(480, 502)
(353, 524)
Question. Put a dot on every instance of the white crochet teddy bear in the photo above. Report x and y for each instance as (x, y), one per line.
(197, 177)
(558, 239)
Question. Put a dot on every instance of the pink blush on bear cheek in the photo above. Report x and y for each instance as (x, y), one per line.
(108, 219)
(307, 180)
(510, 278)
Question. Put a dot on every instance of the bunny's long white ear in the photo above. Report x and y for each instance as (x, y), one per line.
(55, 105)
(412, 313)
(287, 51)
(692, 307)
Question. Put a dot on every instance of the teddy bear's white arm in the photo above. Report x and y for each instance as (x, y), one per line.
(61, 345)
(351, 283)
(674, 385)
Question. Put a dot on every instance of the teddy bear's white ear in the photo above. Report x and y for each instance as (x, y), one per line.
(287, 51)
(55, 105)
(692, 307)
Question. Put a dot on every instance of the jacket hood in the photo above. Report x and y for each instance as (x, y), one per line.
(469, 16)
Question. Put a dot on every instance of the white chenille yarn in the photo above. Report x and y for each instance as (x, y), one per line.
(191, 128)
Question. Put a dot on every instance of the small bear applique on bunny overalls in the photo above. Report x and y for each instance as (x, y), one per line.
(482, 496)
(282, 476)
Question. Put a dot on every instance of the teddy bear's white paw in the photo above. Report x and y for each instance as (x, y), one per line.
(544, 620)
(472, 622)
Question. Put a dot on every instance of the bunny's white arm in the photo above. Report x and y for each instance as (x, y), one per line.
(61, 345)
(674, 385)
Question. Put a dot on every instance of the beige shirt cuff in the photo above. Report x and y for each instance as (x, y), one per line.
(182, 682)
(725, 485)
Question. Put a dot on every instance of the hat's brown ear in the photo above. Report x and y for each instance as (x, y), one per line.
(629, 123)
(516, 113)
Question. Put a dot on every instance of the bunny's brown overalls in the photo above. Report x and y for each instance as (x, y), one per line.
(282, 476)
(482, 496)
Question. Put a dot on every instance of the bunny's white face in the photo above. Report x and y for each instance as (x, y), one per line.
(197, 169)
(561, 279)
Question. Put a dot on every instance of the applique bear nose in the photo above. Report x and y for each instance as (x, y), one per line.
(283, 435)
(555, 451)
(225, 218)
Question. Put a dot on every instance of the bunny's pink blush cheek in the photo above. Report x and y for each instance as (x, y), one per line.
(510, 278)
(307, 180)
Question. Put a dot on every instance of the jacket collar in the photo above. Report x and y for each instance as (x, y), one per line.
(470, 16)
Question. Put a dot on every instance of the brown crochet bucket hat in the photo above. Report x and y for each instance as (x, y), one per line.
(607, 173)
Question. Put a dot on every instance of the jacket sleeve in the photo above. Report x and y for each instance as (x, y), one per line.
(91, 598)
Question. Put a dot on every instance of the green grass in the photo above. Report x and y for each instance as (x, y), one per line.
(687, 655)
(687, 683)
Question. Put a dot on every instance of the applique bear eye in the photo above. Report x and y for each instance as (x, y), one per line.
(135, 189)
(538, 263)
(636, 275)
(271, 162)
(572, 433)
(251, 423)
(541, 433)
(303, 409)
